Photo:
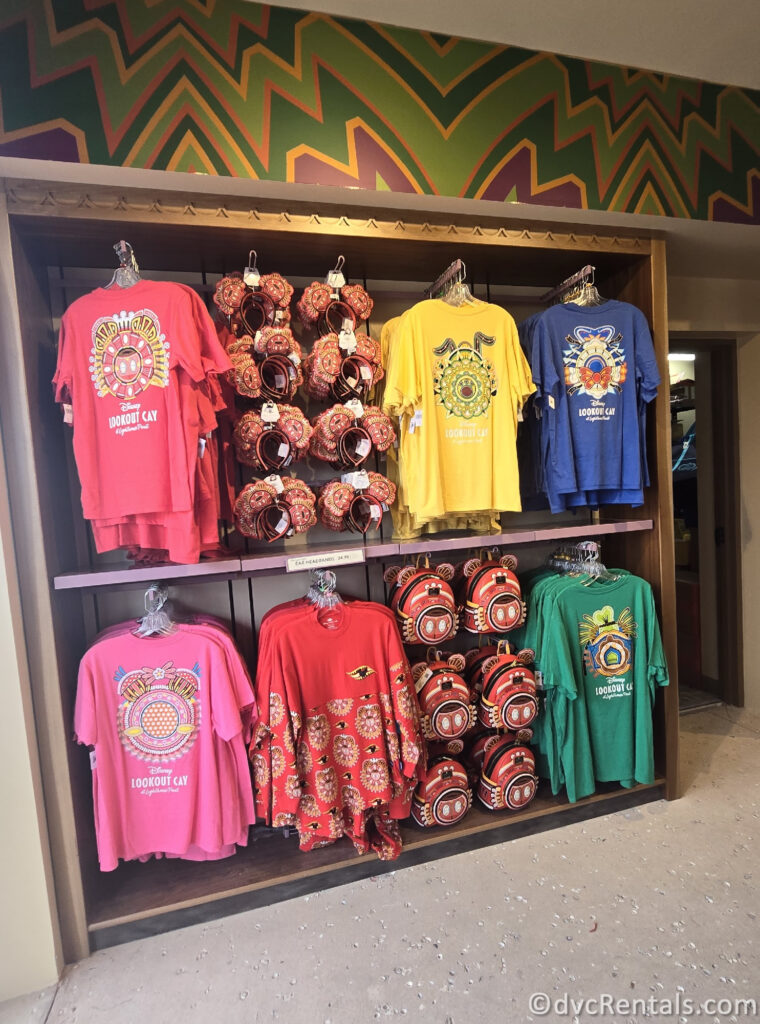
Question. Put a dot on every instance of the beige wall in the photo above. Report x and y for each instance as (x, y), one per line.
(29, 954)
(702, 306)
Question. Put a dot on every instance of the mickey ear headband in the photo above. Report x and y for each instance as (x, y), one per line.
(274, 508)
(319, 305)
(345, 507)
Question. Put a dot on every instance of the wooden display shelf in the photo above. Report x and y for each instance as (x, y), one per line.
(527, 535)
(136, 898)
(334, 554)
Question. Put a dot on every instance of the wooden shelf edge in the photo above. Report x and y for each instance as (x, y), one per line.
(477, 822)
(81, 579)
(250, 565)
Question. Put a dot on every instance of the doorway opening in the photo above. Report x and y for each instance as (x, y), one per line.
(705, 466)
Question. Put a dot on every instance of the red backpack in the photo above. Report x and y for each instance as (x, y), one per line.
(475, 662)
(445, 699)
(443, 795)
(490, 594)
(508, 778)
(508, 699)
(423, 602)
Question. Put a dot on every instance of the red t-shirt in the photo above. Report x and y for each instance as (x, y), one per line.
(120, 358)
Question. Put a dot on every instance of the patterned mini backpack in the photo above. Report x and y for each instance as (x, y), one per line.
(490, 594)
(508, 699)
(423, 601)
(443, 795)
(508, 779)
(444, 697)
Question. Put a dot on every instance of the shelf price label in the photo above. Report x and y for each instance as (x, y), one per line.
(324, 559)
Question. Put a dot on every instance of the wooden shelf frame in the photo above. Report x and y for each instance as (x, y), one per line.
(73, 224)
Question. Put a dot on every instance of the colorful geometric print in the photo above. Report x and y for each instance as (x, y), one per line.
(160, 712)
(464, 381)
(129, 354)
(606, 642)
(229, 87)
(594, 362)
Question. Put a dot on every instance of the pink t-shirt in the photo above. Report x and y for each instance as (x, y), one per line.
(164, 717)
(121, 360)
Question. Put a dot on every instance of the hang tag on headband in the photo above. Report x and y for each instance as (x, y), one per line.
(282, 524)
(279, 315)
(358, 479)
(364, 447)
(275, 481)
(269, 412)
(336, 280)
(366, 373)
(356, 407)
(294, 358)
(375, 512)
(251, 277)
(347, 338)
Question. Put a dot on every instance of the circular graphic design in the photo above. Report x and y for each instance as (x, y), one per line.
(451, 806)
(159, 713)
(595, 362)
(129, 354)
(464, 383)
(450, 720)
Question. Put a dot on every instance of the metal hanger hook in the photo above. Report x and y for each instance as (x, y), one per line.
(339, 265)
(252, 264)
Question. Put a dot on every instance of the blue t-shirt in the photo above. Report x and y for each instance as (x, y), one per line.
(596, 370)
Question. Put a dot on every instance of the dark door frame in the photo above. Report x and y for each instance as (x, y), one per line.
(727, 504)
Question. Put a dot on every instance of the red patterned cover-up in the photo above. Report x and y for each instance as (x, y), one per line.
(338, 749)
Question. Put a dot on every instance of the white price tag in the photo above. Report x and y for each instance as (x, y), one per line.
(93, 761)
(375, 512)
(335, 279)
(201, 447)
(257, 337)
(294, 358)
(275, 482)
(283, 450)
(68, 413)
(251, 276)
(364, 447)
(365, 372)
(269, 412)
(347, 339)
(280, 380)
(356, 407)
(282, 524)
(358, 479)
(279, 315)
(552, 403)
(415, 421)
(423, 679)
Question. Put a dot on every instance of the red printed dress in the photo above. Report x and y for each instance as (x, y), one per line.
(339, 750)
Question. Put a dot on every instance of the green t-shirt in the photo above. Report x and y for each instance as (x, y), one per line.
(601, 649)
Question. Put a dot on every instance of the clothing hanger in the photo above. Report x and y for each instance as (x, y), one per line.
(458, 294)
(156, 621)
(323, 595)
(127, 273)
(588, 294)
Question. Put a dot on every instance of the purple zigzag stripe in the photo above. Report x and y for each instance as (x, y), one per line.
(372, 160)
(516, 175)
(55, 144)
(731, 214)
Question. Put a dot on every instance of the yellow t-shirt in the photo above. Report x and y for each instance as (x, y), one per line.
(462, 370)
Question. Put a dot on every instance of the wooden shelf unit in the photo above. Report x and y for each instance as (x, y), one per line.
(49, 226)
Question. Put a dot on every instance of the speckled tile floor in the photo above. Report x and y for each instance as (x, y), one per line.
(655, 904)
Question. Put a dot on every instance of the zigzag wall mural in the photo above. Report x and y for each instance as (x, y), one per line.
(235, 88)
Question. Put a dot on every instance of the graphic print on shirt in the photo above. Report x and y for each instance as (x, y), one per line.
(464, 381)
(159, 714)
(129, 354)
(595, 366)
(608, 648)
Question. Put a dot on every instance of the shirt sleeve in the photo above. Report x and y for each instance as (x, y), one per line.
(402, 387)
(647, 372)
(520, 379)
(85, 717)
(656, 661)
(64, 370)
(406, 710)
